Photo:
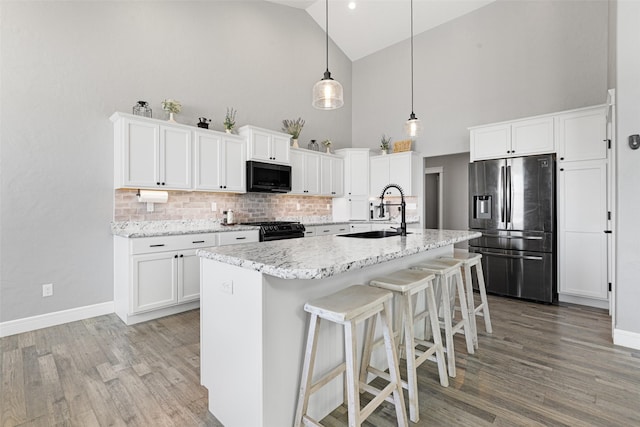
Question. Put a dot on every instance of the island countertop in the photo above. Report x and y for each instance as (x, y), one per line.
(326, 256)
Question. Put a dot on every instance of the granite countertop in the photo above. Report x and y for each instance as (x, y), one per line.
(310, 258)
(172, 228)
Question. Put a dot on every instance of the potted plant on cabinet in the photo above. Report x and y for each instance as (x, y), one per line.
(293, 128)
(384, 143)
(229, 120)
(327, 143)
(172, 107)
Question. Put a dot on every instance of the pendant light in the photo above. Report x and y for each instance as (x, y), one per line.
(327, 93)
(412, 127)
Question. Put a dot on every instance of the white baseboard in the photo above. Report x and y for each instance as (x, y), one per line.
(626, 339)
(27, 324)
(591, 302)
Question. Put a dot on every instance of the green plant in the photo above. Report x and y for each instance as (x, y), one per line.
(171, 105)
(327, 143)
(230, 119)
(384, 142)
(293, 127)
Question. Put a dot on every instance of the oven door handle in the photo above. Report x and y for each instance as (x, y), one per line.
(514, 237)
(527, 257)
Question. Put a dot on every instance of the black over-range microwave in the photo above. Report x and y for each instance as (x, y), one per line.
(268, 177)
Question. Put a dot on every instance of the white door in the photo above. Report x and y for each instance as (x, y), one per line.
(154, 281)
(582, 220)
(297, 172)
(280, 149)
(490, 142)
(533, 136)
(235, 165)
(400, 170)
(260, 146)
(208, 159)
(175, 158)
(337, 177)
(188, 276)
(359, 173)
(312, 174)
(379, 174)
(326, 176)
(141, 154)
(582, 135)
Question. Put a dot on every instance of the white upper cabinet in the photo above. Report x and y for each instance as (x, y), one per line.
(513, 139)
(356, 171)
(150, 154)
(305, 172)
(331, 176)
(266, 145)
(397, 168)
(219, 162)
(582, 135)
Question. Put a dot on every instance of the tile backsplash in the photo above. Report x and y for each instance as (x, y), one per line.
(197, 205)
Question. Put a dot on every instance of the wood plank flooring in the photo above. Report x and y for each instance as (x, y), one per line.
(543, 365)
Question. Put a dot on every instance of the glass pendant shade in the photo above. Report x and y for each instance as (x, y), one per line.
(413, 126)
(327, 93)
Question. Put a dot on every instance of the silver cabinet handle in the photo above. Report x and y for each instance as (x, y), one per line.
(514, 237)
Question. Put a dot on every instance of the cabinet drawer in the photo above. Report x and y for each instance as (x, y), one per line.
(234, 237)
(146, 245)
(309, 231)
(326, 230)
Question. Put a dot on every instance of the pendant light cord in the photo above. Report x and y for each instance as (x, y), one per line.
(326, 30)
(412, 114)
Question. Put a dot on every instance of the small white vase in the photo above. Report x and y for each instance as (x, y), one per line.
(383, 151)
(171, 119)
(328, 150)
(227, 130)
(294, 143)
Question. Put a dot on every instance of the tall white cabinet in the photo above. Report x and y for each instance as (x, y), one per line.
(355, 203)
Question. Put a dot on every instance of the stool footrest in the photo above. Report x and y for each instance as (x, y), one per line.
(380, 395)
(328, 377)
(308, 421)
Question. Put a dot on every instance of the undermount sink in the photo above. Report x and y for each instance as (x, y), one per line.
(377, 234)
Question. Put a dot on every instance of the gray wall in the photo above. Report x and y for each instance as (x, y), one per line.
(67, 66)
(455, 188)
(628, 115)
(507, 60)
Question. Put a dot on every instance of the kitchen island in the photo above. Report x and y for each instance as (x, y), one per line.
(253, 325)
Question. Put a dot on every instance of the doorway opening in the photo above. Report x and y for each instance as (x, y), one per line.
(433, 184)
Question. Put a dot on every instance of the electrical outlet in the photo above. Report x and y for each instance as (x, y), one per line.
(214, 206)
(298, 206)
(47, 290)
(227, 287)
(328, 206)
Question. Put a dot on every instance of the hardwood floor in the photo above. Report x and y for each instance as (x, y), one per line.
(543, 365)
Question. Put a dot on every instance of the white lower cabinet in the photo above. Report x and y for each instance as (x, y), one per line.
(309, 231)
(582, 221)
(159, 276)
(327, 230)
(359, 228)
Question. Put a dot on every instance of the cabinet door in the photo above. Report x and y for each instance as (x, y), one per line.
(188, 276)
(337, 177)
(154, 281)
(312, 174)
(260, 145)
(326, 176)
(280, 149)
(400, 171)
(582, 135)
(491, 142)
(358, 228)
(175, 158)
(358, 174)
(208, 155)
(379, 176)
(297, 172)
(235, 166)
(141, 154)
(309, 231)
(532, 137)
(358, 207)
(582, 220)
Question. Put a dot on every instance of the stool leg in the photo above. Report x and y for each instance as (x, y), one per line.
(468, 284)
(437, 338)
(370, 329)
(353, 386)
(307, 370)
(394, 371)
(468, 334)
(412, 381)
(483, 298)
(448, 328)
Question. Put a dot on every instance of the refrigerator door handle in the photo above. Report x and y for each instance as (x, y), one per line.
(528, 257)
(514, 237)
(508, 194)
(502, 199)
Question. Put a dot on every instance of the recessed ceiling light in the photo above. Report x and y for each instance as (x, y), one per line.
(352, 5)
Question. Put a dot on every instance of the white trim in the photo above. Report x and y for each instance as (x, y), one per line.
(27, 324)
(438, 170)
(626, 339)
(591, 302)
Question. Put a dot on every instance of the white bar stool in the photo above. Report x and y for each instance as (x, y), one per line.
(349, 307)
(448, 271)
(405, 284)
(469, 260)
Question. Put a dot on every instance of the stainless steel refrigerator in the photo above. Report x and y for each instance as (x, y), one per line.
(512, 202)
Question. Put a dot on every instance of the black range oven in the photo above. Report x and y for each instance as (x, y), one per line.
(278, 230)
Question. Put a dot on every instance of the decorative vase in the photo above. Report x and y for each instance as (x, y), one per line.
(227, 130)
(171, 119)
(328, 150)
(383, 151)
(294, 143)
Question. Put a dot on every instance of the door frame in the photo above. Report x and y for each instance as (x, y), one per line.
(439, 170)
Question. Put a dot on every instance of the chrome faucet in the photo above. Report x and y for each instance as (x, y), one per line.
(403, 206)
